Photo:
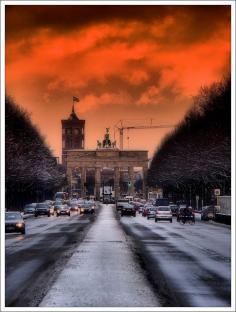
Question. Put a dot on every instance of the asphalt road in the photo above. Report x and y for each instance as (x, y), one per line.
(108, 261)
(190, 265)
(34, 260)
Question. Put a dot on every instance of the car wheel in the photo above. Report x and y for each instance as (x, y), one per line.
(35, 215)
(23, 231)
(69, 214)
(135, 215)
(57, 214)
(155, 220)
(49, 214)
(170, 220)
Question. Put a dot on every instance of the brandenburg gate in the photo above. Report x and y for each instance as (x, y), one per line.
(76, 159)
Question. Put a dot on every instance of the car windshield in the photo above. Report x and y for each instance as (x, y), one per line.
(163, 209)
(13, 216)
(29, 206)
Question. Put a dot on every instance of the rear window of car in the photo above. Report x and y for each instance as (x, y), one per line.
(163, 209)
(42, 206)
(29, 206)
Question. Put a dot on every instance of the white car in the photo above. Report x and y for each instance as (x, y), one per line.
(163, 213)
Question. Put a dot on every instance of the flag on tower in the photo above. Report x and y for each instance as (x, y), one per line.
(75, 99)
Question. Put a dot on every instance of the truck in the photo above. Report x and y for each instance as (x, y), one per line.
(223, 211)
(107, 194)
(162, 202)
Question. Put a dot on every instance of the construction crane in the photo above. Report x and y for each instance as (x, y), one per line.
(121, 128)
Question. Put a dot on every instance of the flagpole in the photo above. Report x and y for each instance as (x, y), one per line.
(73, 105)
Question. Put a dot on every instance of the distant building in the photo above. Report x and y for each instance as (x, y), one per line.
(73, 136)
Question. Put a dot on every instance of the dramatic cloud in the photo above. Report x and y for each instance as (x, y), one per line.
(128, 61)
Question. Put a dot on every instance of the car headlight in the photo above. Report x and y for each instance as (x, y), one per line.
(19, 224)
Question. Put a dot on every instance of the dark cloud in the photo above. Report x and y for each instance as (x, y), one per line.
(198, 21)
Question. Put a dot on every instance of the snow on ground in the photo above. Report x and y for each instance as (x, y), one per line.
(102, 272)
(195, 259)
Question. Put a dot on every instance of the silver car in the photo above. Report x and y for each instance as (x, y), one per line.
(30, 208)
(163, 213)
(151, 212)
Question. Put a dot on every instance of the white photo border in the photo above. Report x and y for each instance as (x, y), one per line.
(124, 2)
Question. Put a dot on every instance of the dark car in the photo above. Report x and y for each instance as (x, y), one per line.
(208, 213)
(30, 208)
(14, 222)
(62, 210)
(120, 203)
(88, 207)
(128, 209)
(44, 209)
(174, 209)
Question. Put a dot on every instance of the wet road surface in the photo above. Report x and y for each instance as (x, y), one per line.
(34, 260)
(108, 261)
(102, 272)
(189, 264)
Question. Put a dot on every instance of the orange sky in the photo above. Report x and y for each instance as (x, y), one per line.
(123, 62)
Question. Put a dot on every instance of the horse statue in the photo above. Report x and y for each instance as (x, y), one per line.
(106, 142)
(99, 144)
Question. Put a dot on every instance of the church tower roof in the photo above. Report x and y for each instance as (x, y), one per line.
(73, 115)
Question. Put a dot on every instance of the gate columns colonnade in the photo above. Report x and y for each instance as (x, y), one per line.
(105, 157)
(97, 182)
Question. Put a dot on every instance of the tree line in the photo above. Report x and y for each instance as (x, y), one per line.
(196, 155)
(31, 171)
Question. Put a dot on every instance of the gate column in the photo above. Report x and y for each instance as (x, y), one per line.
(145, 170)
(97, 182)
(131, 179)
(83, 181)
(117, 182)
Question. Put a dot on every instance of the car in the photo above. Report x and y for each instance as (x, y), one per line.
(120, 203)
(14, 222)
(208, 212)
(140, 209)
(162, 202)
(151, 212)
(74, 206)
(30, 208)
(49, 202)
(43, 209)
(174, 209)
(163, 213)
(88, 207)
(62, 209)
(127, 209)
(145, 211)
(62, 196)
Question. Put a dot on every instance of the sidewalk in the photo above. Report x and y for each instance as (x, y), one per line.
(102, 272)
